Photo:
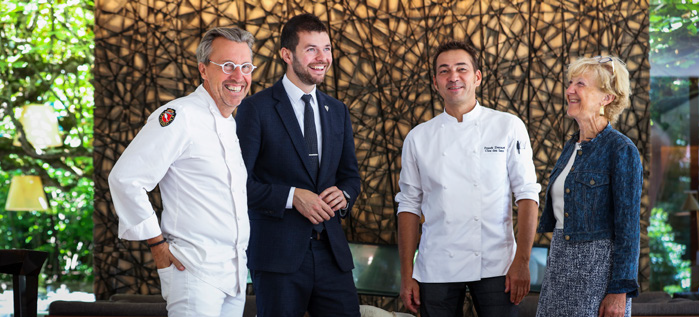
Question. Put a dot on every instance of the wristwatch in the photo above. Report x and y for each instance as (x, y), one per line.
(347, 197)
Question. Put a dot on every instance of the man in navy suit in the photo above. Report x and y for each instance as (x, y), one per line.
(298, 148)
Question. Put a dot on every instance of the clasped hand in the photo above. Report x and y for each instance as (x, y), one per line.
(319, 208)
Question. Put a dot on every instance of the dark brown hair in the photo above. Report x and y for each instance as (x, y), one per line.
(301, 23)
(456, 45)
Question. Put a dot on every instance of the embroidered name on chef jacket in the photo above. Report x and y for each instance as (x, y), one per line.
(167, 116)
(494, 149)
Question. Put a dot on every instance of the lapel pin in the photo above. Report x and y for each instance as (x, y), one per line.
(326, 108)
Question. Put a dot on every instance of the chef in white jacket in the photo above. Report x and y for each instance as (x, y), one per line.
(460, 171)
(189, 146)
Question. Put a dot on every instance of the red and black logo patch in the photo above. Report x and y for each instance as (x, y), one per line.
(167, 117)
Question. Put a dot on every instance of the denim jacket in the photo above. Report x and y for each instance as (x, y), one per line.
(602, 201)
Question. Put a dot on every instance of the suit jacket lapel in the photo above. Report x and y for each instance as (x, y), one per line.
(327, 130)
(288, 118)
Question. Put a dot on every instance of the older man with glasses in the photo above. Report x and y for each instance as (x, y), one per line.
(189, 146)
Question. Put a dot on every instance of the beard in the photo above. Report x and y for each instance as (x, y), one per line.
(303, 73)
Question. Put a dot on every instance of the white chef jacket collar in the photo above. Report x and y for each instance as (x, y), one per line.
(201, 91)
(472, 115)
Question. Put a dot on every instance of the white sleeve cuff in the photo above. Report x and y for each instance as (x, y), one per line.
(414, 212)
(528, 195)
(147, 229)
(290, 199)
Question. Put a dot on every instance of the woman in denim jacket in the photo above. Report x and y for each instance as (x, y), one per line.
(593, 201)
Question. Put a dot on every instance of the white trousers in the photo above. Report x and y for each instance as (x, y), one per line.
(189, 296)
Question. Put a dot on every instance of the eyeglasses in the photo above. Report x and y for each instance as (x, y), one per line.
(606, 59)
(229, 67)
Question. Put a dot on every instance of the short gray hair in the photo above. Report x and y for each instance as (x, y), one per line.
(231, 33)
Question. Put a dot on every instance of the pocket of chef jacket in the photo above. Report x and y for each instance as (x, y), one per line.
(165, 275)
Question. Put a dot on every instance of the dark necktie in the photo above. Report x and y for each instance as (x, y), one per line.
(310, 134)
(311, 137)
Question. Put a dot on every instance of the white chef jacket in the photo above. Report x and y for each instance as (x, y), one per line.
(461, 177)
(196, 160)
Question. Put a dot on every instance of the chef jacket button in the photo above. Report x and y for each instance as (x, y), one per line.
(592, 182)
(567, 190)
(242, 164)
(451, 255)
(478, 254)
(444, 153)
(476, 218)
(572, 168)
(566, 214)
(579, 152)
(567, 237)
(445, 187)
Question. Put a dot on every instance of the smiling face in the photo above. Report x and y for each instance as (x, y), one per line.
(310, 60)
(227, 90)
(456, 79)
(584, 96)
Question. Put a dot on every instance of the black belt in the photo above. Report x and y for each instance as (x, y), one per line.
(315, 235)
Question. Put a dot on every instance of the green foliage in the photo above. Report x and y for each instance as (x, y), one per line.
(669, 112)
(669, 272)
(46, 53)
(673, 32)
(674, 45)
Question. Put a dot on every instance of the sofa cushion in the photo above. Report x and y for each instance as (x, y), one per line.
(673, 307)
(136, 298)
(371, 311)
(652, 297)
(127, 305)
(106, 308)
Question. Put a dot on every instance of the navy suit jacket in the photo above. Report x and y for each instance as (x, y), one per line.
(276, 159)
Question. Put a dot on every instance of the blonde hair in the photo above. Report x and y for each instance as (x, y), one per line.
(613, 78)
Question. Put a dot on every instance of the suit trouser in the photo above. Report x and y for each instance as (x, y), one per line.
(189, 296)
(447, 299)
(318, 286)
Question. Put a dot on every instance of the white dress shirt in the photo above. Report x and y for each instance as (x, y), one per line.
(295, 93)
(196, 160)
(461, 176)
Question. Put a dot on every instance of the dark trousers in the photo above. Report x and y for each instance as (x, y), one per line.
(447, 299)
(318, 287)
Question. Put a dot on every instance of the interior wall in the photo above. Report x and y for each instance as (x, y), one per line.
(145, 57)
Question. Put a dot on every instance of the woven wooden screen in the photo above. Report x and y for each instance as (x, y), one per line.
(145, 56)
